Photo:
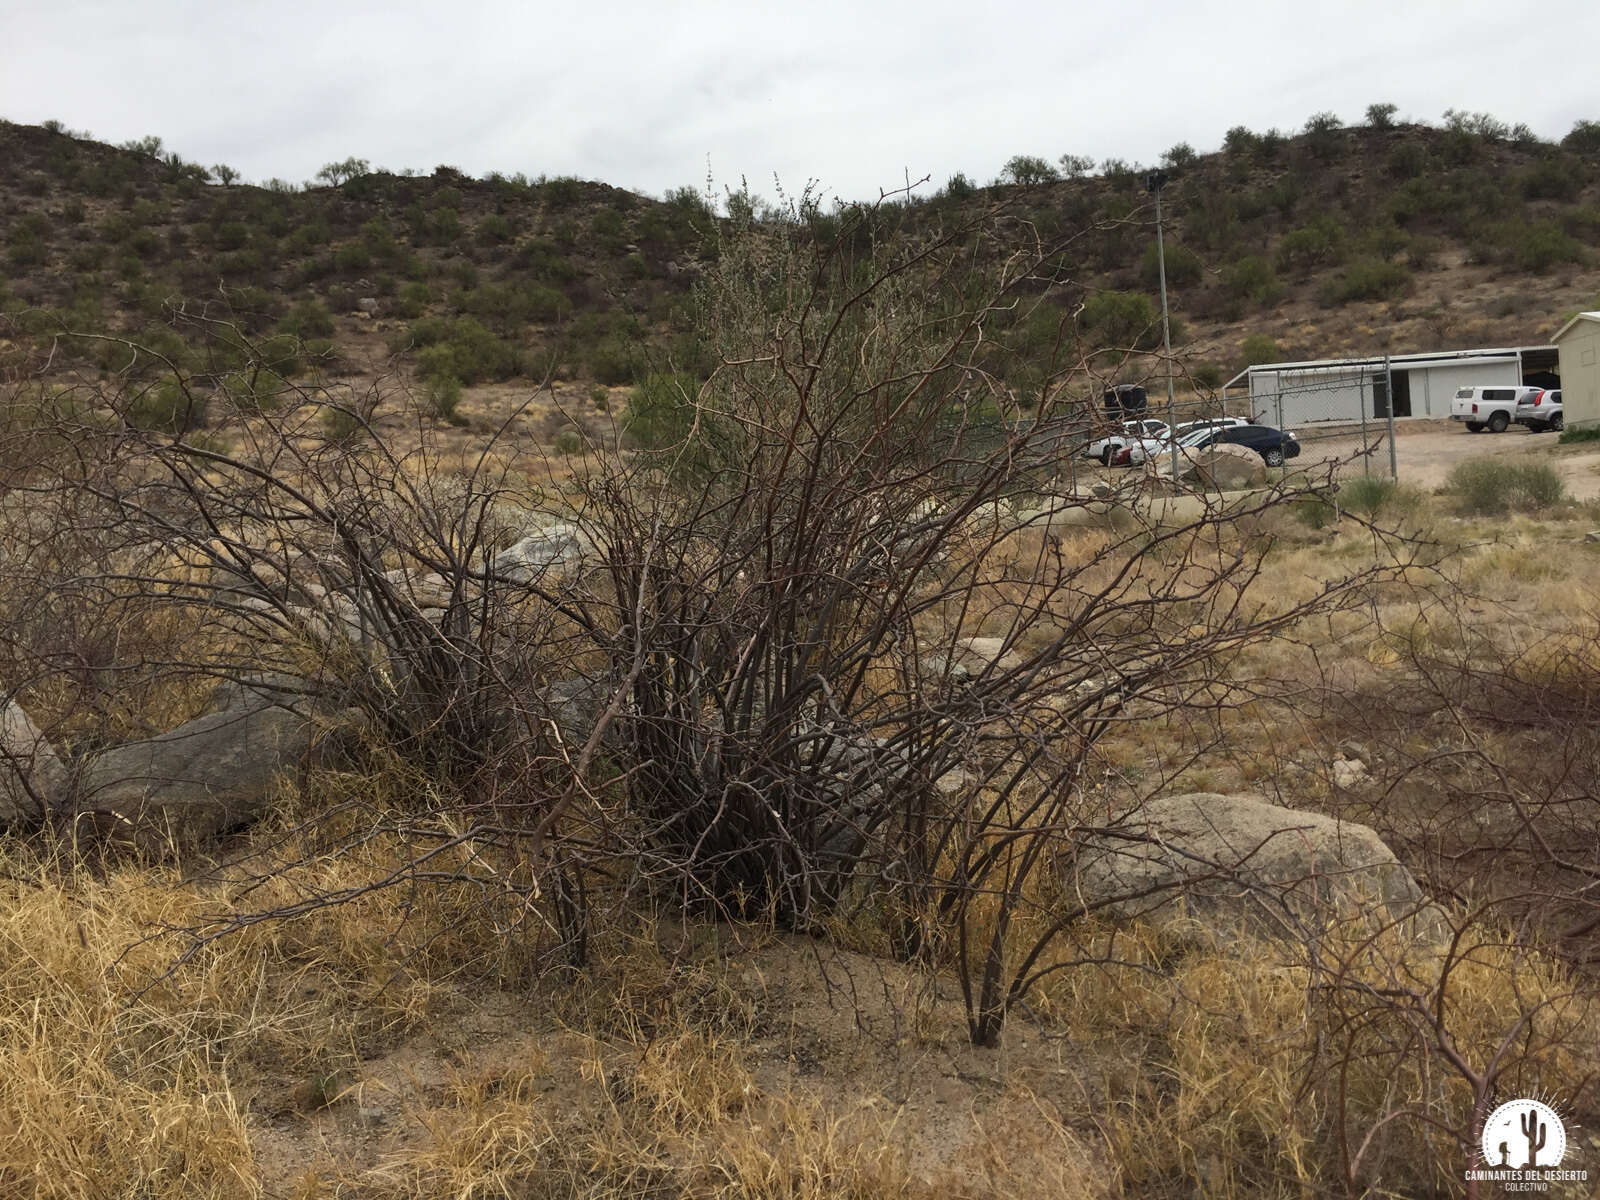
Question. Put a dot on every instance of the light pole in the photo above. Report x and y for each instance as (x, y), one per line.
(1153, 183)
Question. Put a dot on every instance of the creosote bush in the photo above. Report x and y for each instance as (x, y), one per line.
(1495, 487)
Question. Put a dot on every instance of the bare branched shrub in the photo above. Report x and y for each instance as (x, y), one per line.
(843, 636)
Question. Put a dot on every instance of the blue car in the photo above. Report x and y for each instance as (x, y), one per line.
(1273, 445)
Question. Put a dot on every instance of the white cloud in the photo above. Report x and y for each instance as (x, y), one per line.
(640, 94)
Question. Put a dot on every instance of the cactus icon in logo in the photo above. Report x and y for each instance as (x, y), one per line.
(1523, 1134)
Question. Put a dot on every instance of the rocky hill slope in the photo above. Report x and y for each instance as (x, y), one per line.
(1331, 242)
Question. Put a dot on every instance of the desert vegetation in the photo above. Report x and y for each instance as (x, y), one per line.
(781, 746)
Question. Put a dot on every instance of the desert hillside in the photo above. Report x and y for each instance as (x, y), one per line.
(1332, 241)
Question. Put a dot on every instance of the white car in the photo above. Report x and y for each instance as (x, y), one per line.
(1158, 448)
(1541, 411)
(1188, 427)
(1106, 448)
(1492, 408)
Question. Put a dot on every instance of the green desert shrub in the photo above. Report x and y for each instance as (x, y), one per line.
(561, 192)
(1028, 169)
(1322, 134)
(615, 358)
(1315, 245)
(1584, 138)
(1240, 140)
(441, 399)
(606, 229)
(496, 230)
(1554, 178)
(1496, 486)
(307, 319)
(1408, 160)
(506, 307)
(310, 236)
(661, 411)
(1260, 348)
(1251, 278)
(166, 407)
(543, 259)
(1372, 496)
(1543, 245)
(259, 389)
(342, 424)
(352, 257)
(1123, 320)
(1369, 279)
(1572, 436)
(461, 348)
(1314, 511)
(1183, 265)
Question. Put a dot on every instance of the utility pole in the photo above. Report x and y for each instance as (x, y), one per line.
(1154, 182)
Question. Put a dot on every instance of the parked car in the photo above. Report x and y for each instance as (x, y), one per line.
(1143, 449)
(1491, 408)
(1106, 448)
(1274, 445)
(1541, 411)
(1188, 427)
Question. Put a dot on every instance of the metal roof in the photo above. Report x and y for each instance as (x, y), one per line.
(1583, 316)
(1428, 359)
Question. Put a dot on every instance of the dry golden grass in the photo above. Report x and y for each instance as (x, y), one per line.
(661, 1072)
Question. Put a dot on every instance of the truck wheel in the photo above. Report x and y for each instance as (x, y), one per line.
(1556, 424)
(1474, 427)
(1498, 422)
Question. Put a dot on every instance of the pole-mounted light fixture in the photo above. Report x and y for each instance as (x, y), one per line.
(1153, 184)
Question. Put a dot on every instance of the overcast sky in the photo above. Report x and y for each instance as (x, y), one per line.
(856, 96)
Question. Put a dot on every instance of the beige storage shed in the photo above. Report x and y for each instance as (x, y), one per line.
(1578, 344)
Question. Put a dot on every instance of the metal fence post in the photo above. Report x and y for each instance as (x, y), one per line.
(1388, 385)
(1361, 400)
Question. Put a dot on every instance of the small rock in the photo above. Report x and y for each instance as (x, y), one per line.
(1592, 536)
(1102, 489)
(368, 305)
(372, 1116)
(1348, 772)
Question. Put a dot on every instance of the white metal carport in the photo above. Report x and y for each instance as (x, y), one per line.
(1290, 394)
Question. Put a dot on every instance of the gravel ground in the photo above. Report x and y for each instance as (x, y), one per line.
(1426, 450)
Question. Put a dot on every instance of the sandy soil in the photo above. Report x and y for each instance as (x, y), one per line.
(1426, 450)
(857, 1035)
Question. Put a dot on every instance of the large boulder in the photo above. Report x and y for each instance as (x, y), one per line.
(553, 548)
(210, 775)
(1223, 469)
(1231, 865)
(32, 777)
(969, 657)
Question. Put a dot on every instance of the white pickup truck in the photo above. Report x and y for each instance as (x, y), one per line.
(1494, 408)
